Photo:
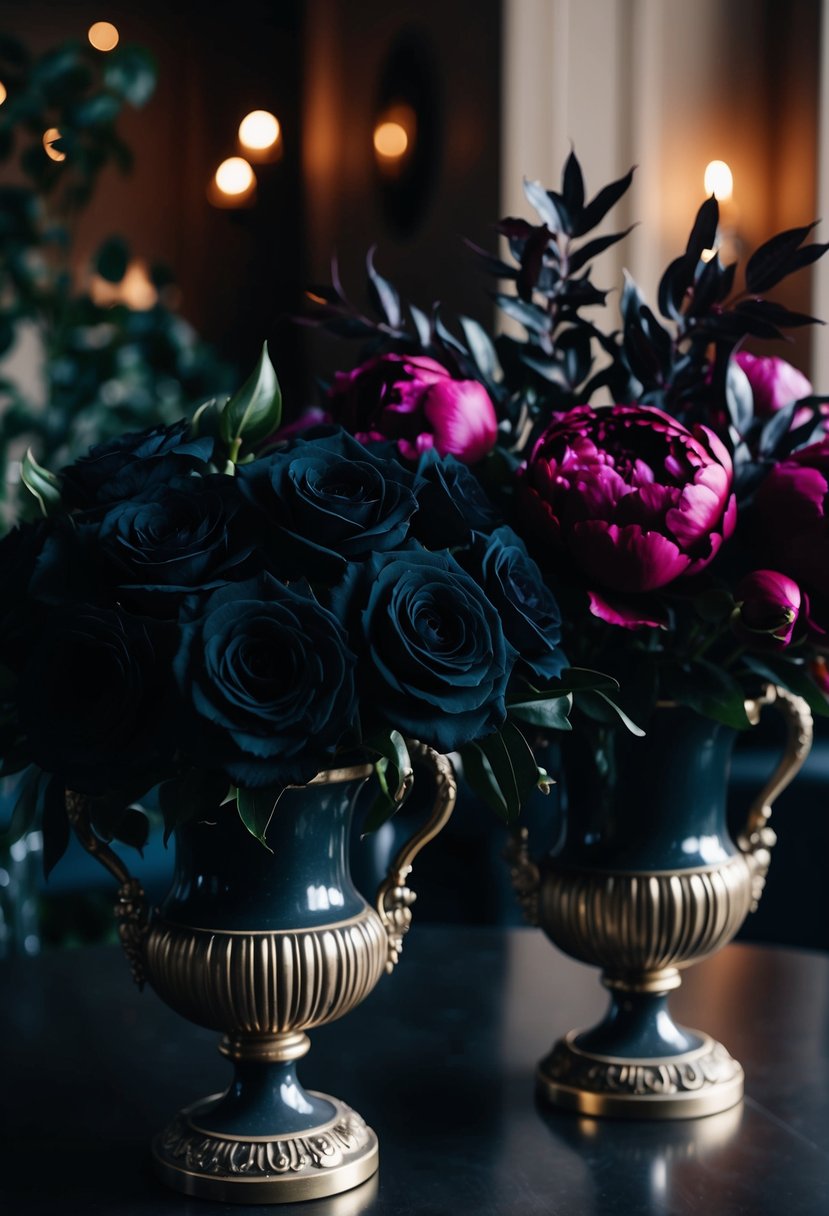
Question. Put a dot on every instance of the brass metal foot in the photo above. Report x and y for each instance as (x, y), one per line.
(682, 1086)
(320, 1161)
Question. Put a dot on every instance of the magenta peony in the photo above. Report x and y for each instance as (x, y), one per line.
(415, 401)
(774, 382)
(632, 497)
(790, 524)
(768, 607)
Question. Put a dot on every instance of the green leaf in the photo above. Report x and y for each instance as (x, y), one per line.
(24, 812)
(255, 411)
(602, 708)
(793, 677)
(55, 825)
(256, 807)
(505, 766)
(112, 258)
(709, 690)
(39, 481)
(549, 712)
(97, 111)
(133, 829)
(394, 775)
(131, 72)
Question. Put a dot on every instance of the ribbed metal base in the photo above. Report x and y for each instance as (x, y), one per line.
(321, 1161)
(700, 1082)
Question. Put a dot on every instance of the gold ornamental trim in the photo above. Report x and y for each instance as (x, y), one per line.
(637, 924)
(357, 918)
(266, 984)
(324, 1160)
(333, 776)
(703, 1081)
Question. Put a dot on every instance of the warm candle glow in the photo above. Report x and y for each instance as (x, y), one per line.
(259, 130)
(136, 289)
(234, 176)
(390, 140)
(103, 35)
(49, 138)
(719, 180)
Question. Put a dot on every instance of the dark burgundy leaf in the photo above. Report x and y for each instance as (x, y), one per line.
(544, 204)
(597, 208)
(572, 186)
(704, 232)
(775, 314)
(773, 260)
(580, 257)
(531, 261)
(383, 295)
(674, 284)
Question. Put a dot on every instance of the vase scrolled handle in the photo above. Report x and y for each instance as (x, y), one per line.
(394, 897)
(757, 838)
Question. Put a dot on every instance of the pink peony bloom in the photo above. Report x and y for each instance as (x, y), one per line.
(774, 382)
(634, 498)
(790, 523)
(769, 605)
(416, 402)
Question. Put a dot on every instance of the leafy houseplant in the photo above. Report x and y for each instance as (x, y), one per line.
(682, 529)
(107, 367)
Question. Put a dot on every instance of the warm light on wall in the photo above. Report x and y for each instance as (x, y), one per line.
(233, 184)
(390, 140)
(136, 289)
(49, 138)
(718, 180)
(259, 130)
(394, 136)
(103, 36)
(3, 93)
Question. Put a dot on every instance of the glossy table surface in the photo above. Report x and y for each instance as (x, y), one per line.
(439, 1059)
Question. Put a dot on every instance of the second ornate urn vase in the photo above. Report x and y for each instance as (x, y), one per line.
(647, 881)
(263, 946)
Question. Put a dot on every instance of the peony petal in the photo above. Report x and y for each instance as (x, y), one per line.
(627, 559)
(625, 614)
(462, 418)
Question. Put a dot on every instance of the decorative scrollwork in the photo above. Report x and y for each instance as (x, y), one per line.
(524, 875)
(201, 1152)
(710, 1066)
(395, 897)
(132, 911)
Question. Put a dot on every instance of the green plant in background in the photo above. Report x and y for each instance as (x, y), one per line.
(101, 367)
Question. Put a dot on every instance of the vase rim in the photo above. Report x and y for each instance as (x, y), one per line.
(332, 776)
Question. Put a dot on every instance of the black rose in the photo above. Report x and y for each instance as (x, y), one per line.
(268, 679)
(95, 697)
(194, 534)
(453, 503)
(529, 613)
(329, 501)
(437, 663)
(123, 467)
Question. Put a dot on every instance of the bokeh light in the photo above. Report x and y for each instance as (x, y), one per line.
(49, 138)
(103, 36)
(719, 180)
(259, 130)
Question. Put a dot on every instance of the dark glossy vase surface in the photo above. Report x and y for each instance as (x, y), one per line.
(652, 803)
(227, 879)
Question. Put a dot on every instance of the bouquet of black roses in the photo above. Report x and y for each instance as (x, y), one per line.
(214, 611)
(672, 486)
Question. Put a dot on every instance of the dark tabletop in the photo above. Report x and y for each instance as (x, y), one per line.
(439, 1059)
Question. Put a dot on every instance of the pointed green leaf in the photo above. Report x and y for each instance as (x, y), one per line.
(256, 808)
(255, 411)
(39, 481)
(551, 713)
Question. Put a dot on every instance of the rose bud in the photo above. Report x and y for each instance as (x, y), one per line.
(768, 607)
(415, 401)
(632, 497)
(774, 382)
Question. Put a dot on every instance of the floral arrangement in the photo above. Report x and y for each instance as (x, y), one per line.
(214, 610)
(671, 485)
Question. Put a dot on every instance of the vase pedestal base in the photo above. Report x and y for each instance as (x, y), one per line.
(319, 1161)
(687, 1085)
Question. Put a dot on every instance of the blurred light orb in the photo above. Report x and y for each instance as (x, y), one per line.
(235, 176)
(3, 92)
(719, 180)
(259, 130)
(391, 140)
(103, 36)
(49, 138)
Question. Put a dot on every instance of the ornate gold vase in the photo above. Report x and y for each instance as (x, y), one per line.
(263, 947)
(648, 881)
